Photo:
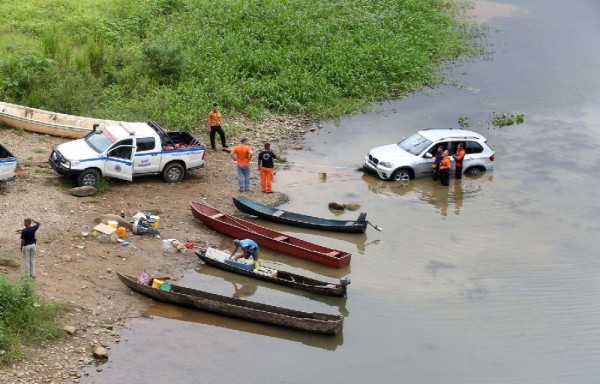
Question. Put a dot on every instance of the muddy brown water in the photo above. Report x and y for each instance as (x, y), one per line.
(492, 280)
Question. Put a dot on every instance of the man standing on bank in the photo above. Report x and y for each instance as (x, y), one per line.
(265, 167)
(28, 247)
(214, 127)
(458, 158)
(242, 154)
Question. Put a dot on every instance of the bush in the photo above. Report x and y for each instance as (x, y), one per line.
(23, 318)
(165, 60)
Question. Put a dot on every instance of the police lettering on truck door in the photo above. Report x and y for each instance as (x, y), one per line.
(147, 156)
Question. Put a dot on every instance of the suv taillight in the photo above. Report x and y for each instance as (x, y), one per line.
(204, 155)
(492, 158)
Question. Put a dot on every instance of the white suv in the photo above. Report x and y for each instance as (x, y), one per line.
(412, 156)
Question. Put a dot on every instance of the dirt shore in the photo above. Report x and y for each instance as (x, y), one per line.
(81, 272)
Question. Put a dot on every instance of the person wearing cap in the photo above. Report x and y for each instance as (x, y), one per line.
(248, 247)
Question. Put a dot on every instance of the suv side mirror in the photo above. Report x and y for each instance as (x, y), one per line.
(428, 155)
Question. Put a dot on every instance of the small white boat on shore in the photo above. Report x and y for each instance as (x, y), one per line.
(49, 123)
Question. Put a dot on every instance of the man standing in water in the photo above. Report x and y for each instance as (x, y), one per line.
(445, 169)
(458, 158)
(265, 167)
(214, 127)
(242, 154)
(28, 247)
(437, 161)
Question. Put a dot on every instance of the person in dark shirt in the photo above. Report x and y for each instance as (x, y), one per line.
(265, 167)
(437, 161)
(28, 245)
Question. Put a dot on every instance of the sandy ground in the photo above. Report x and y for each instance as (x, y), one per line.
(81, 272)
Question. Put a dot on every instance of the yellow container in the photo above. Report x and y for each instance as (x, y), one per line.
(156, 283)
(154, 221)
(113, 224)
(121, 231)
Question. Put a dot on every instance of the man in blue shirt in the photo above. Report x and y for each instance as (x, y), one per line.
(249, 248)
(28, 247)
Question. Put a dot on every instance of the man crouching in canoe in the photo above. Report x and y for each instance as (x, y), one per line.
(248, 247)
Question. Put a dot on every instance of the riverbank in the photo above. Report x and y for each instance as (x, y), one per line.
(80, 272)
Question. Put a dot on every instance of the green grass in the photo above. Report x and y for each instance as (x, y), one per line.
(24, 319)
(169, 60)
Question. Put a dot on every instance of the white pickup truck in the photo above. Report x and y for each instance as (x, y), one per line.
(126, 150)
(8, 164)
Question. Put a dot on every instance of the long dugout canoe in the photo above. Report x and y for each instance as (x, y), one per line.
(49, 123)
(249, 310)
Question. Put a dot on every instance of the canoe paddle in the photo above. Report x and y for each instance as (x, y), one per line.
(377, 227)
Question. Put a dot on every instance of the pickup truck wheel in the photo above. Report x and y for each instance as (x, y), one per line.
(173, 173)
(88, 177)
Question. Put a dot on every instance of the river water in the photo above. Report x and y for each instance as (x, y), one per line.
(492, 280)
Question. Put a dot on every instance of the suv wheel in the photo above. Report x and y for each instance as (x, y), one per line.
(474, 171)
(402, 174)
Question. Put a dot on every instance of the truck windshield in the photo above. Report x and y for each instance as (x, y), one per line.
(99, 141)
(414, 144)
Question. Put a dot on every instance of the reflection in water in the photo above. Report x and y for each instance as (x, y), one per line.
(184, 314)
(485, 10)
(248, 287)
(432, 192)
(244, 290)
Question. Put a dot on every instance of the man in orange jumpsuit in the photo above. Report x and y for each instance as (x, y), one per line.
(265, 167)
(458, 158)
(242, 154)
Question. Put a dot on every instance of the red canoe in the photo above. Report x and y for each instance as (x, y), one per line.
(268, 238)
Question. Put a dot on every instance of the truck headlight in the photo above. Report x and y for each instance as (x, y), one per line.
(385, 164)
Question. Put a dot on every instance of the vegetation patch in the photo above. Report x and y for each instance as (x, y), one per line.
(24, 319)
(494, 120)
(169, 60)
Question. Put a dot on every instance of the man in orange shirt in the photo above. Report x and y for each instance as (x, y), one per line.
(242, 154)
(214, 127)
(458, 158)
(444, 174)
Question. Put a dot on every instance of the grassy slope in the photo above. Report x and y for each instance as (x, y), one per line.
(169, 59)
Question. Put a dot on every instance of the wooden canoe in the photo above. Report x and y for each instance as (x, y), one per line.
(221, 260)
(49, 123)
(300, 220)
(249, 310)
(268, 238)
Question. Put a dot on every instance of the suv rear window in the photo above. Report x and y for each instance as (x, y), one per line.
(414, 144)
(473, 147)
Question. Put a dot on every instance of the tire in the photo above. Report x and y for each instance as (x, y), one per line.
(88, 177)
(475, 171)
(173, 173)
(402, 174)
